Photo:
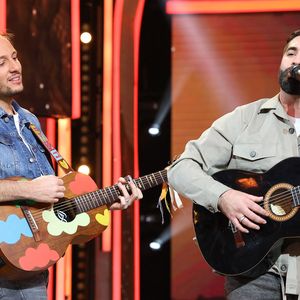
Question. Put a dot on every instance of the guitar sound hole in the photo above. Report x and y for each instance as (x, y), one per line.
(64, 211)
(278, 205)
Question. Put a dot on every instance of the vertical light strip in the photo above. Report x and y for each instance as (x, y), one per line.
(51, 135)
(2, 15)
(64, 265)
(75, 40)
(136, 207)
(107, 109)
(117, 216)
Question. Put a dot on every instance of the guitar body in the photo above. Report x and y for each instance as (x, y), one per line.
(34, 236)
(231, 252)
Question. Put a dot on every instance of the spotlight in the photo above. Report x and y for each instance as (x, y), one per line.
(85, 37)
(154, 130)
(155, 245)
(84, 169)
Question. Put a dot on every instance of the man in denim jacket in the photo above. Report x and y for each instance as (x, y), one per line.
(21, 155)
(254, 137)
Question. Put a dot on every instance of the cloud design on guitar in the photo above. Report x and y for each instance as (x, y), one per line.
(39, 258)
(104, 218)
(56, 227)
(12, 229)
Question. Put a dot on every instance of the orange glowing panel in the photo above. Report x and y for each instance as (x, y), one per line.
(107, 110)
(224, 7)
(75, 38)
(247, 183)
(64, 265)
(51, 135)
(136, 205)
(117, 216)
(2, 15)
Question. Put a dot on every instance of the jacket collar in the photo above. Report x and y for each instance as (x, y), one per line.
(275, 105)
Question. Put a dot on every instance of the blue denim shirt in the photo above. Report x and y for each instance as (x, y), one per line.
(15, 157)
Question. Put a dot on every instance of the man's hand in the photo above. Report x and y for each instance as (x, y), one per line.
(48, 189)
(127, 199)
(242, 209)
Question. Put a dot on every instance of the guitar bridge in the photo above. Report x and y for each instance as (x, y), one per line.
(32, 224)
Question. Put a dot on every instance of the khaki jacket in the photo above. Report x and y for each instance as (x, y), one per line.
(254, 137)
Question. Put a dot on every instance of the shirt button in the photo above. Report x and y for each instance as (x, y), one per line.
(6, 119)
(252, 153)
(283, 268)
(32, 159)
(291, 130)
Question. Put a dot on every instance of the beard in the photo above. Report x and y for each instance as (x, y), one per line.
(289, 84)
(8, 92)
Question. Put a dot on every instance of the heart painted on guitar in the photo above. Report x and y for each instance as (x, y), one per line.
(104, 218)
(39, 258)
(82, 184)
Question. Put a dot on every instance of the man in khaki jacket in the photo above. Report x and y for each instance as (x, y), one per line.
(254, 137)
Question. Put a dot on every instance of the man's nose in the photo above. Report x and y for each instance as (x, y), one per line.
(296, 60)
(13, 65)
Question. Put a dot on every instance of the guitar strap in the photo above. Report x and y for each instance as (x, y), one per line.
(53, 152)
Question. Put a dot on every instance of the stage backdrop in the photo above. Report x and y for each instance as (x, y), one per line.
(219, 61)
(42, 32)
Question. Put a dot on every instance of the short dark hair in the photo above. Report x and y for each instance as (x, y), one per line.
(291, 37)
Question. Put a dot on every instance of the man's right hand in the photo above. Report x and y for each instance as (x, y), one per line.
(242, 209)
(47, 189)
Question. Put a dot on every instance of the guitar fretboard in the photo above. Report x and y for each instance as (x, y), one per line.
(109, 195)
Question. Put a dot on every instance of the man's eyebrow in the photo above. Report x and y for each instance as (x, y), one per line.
(4, 56)
(291, 48)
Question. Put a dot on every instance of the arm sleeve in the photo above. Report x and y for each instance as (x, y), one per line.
(191, 174)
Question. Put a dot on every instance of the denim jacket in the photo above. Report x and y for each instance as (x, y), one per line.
(15, 157)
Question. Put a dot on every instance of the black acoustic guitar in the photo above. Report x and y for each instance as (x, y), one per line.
(230, 252)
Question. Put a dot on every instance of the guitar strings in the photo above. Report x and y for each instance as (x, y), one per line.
(87, 198)
(277, 199)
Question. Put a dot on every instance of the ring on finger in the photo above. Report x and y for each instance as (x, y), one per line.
(241, 219)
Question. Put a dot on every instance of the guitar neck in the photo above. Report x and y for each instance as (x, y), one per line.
(110, 194)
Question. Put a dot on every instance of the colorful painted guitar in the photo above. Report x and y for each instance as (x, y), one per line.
(230, 252)
(34, 236)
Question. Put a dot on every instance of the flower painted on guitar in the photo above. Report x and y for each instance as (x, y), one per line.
(12, 229)
(82, 184)
(39, 258)
(104, 218)
(56, 227)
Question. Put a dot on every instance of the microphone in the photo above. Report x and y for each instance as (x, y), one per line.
(295, 72)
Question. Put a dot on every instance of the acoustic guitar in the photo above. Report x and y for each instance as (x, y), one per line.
(34, 236)
(230, 252)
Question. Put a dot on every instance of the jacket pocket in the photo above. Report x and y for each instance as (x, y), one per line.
(254, 151)
(254, 157)
(7, 157)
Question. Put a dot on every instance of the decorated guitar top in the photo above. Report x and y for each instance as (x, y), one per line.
(34, 236)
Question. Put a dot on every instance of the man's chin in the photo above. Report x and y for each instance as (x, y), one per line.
(16, 90)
